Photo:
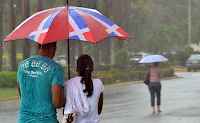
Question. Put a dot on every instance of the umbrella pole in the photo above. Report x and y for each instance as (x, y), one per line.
(68, 61)
(68, 56)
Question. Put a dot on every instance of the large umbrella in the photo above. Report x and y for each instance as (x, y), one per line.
(153, 58)
(67, 22)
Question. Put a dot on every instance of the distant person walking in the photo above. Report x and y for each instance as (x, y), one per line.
(84, 95)
(155, 85)
(41, 87)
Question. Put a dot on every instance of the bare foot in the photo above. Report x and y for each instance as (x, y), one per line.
(159, 111)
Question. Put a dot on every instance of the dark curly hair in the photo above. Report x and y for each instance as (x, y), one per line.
(84, 69)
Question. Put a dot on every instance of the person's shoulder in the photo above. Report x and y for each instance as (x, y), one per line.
(73, 80)
(27, 59)
(97, 80)
(97, 83)
(55, 64)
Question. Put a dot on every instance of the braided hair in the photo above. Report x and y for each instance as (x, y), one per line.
(84, 69)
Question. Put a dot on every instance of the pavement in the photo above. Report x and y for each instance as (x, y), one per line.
(129, 102)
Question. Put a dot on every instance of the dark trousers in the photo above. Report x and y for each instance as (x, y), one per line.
(155, 90)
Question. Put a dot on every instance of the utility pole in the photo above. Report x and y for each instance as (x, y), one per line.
(189, 22)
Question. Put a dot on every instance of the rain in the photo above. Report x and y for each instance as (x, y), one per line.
(170, 28)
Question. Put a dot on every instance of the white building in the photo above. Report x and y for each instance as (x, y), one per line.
(196, 47)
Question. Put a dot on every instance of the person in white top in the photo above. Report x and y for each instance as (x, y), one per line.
(84, 95)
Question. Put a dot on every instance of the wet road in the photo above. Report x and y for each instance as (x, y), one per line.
(131, 103)
(180, 102)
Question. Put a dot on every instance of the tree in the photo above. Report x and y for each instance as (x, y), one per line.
(39, 5)
(13, 43)
(163, 38)
(171, 14)
(138, 20)
(121, 59)
(106, 48)
(119, 18)
(26, 43)
(1, 31)
(96, 46)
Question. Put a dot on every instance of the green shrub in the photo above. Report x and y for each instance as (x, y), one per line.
(100, 67)
(115, 70)
(8, 79)
(183, 55)
(189, 49)
(137, 75)
(116, 75)
(107, 79)
(168, 72)
(121, 60)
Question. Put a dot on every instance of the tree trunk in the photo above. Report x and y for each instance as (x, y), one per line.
(65, 2)
(13, 43)
(107, 49)
(96, 46)
(39, 7)
(1, 31)
(26, 43)
(120, 18)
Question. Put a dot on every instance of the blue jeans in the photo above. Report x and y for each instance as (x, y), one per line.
(155, 89)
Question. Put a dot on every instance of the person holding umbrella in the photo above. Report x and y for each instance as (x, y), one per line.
(156, 75)
(84, 95)
(41, 87)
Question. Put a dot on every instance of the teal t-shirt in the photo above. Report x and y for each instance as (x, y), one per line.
(36, 75)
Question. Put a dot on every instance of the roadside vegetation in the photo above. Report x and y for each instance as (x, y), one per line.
(7, 93)
(121, 71)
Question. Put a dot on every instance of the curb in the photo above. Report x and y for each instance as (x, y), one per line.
(11, 98)
(137, 82)
(180, 69)
(111, 85)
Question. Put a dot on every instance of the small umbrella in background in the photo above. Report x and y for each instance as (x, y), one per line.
(153, 58)
(67, 22)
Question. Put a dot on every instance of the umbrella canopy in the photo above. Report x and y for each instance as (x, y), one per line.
(153, 58)
(67, 22)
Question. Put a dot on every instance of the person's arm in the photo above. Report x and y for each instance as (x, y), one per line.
(100, 104)
(19, 89)
(58, 96)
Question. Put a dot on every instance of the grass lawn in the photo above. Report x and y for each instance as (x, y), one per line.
(6, 93)
(18, 56)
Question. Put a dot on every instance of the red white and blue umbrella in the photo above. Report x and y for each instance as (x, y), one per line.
(67, 22)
